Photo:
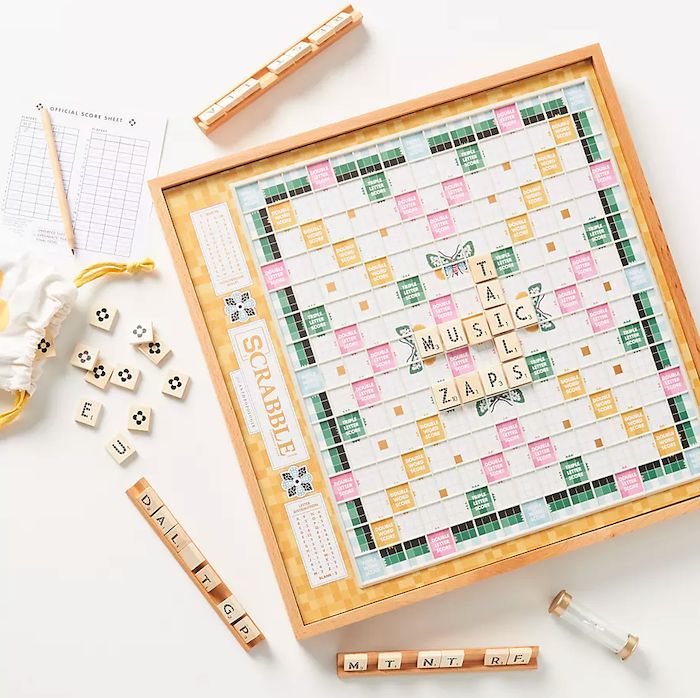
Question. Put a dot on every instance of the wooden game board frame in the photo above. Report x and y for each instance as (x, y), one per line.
(684, 327)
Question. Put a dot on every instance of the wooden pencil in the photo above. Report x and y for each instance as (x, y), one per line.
(58, 179)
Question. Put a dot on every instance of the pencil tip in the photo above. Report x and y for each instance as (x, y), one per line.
(72, 251)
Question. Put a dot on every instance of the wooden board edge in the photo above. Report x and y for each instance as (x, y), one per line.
(658, 237)
(132, 493)
(234, 430)
(159, 185)
(339, 128)
(582, 540)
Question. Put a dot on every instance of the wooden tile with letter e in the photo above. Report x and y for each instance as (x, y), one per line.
(88, 412)
(120, 448)
(99, 374)
(125, 376)
(175, 384)
(139, 418)
(84, 356)
(103, 316)
(517, 373)
(141, 332)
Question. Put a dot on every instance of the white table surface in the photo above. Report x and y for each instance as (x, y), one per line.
(91, 603)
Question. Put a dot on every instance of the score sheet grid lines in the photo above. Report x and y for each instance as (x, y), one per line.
(30, 187)
(381, 236)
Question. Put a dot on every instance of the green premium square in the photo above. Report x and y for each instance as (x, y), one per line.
(505, 261)
(558, 501)
(583, 124)
(674, 464)
(330, 433)
(652, 330)
(597, 232)
(511, 517)
(487, 524)
(295, 327)
(369, 164)
(632, 336)
(462, 135)
(339, 459)
(345, 171)
(439, 142)
(351, 426)
(574, 471)
(464, 531)
(603, 486)
(416, 547)
(411, 291)
(540, 366)
(617, 226)
(626, 252)
(316, 320)
(651, 471)
(480, 501)
(376, 187)
(356, 512)
(607, 198)
(470, 158)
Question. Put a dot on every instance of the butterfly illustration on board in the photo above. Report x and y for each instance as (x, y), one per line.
(415, 365)
(543, 317)
(510, 398)
(454, 264)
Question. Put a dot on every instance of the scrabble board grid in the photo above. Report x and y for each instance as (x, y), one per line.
(437, 514)
(314, 610)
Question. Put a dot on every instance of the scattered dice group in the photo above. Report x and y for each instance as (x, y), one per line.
(99, 373)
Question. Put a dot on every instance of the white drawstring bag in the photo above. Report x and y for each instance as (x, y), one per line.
(34, 301)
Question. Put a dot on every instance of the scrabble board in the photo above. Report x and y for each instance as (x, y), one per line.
(448, 337)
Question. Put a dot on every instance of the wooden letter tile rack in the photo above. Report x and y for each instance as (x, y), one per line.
(194, 563)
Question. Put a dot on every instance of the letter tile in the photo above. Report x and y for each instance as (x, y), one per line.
(490, 294)
(517, 373)
(496, 657)
(493, 380)
(231, 609)
(477, 329)
(445, 395)
(508, 346)
(246, 629)
(150, 501)
(88, 412)
(428, 342)
(469, 387)
(523, 312)
(388, 661)
(208, 578)
(178, 537)
(453, 335)
(120, 448)
(519, 655)
(429, 659)
(482, 268)
(452, 659)
(499, 320)
(164, 520)
(355, 662)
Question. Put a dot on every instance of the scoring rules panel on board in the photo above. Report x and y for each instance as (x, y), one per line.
(474, 331)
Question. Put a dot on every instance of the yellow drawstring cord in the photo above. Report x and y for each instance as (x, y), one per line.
(95, 271)
(21, 398)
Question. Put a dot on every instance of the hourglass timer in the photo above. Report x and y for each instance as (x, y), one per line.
(621, 643)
